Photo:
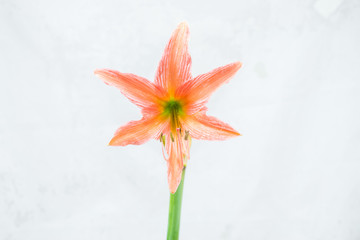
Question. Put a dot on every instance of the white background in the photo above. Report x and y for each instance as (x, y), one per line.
(294, 175)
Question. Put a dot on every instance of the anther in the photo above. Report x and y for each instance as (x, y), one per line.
(186, 135)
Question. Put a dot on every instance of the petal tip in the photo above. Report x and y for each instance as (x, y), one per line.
(98, 71)
(101, 73)
(183, 25)
(235, 133)
(183, 29)
(113, 142)
(173, 187)
(238, 65)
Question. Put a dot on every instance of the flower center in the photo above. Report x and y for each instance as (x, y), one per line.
(173, 109)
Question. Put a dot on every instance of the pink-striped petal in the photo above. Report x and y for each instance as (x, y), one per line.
(175, 163)
(199, 89)
(139, 90)
(138, 132)
(174, 67)
(206, 127)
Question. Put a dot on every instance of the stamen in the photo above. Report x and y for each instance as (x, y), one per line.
(173, 109)
(165, 152)
(163, 139)
(186, 135)
(175, 144)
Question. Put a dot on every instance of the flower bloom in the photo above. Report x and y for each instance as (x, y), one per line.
(173, 107)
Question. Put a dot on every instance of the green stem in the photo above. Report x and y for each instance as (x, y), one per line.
(175, 210)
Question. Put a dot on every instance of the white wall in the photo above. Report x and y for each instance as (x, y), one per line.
(293, 175)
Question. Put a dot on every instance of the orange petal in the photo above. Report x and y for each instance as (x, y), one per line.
(139, 90)
(174, 67)
(175, 164)
(137, 132)
(206, 127)
(199, 89)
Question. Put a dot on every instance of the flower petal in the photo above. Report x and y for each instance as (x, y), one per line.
(139, 90)
(174, 67)
(206, 127)
(138, 132)
(175, 164)
(199, 89)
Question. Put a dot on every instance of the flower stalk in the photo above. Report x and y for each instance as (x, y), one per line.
(175, 210)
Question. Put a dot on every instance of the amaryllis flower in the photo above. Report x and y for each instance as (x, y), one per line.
(173, 107)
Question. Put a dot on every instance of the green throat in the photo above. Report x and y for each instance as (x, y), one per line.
(174, 110)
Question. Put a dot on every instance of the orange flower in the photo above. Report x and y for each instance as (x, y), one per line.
(173, 107)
